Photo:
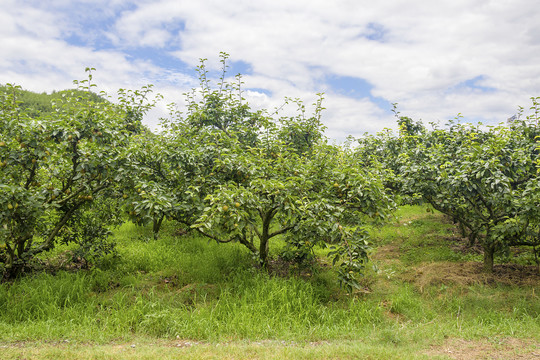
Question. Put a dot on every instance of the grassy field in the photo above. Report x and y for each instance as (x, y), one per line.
(182, 296)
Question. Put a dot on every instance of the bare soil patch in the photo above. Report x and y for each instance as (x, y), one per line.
(462, 245)
(281, 267)
(386, 252)
(508, 348)
(471, 273)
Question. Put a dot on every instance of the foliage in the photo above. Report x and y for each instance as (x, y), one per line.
(485, 179)
(35, 105)
(238, 175)
(55, 164)
(184, 288)
(235, 174)
(383, 150)
(90, 229)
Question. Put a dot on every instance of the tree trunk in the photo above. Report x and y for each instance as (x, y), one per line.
(12, 267)
(472, 238)
(263, 252)
(489, 251)
(265, 236)
(461, 228)
(15, 257)
(157, 226)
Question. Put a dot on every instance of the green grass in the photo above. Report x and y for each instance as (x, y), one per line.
(185, 288)
(231, 350)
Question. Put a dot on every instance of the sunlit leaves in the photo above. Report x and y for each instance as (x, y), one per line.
(56, 163)
(484, 178)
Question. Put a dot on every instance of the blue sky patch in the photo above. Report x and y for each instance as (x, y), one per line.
(260, 90)
(356, 88)
(239, 67)
(474, 84)
(162, 59)
(376, 32)
(349, 86)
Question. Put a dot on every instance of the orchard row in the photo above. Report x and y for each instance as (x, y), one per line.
(237, 175)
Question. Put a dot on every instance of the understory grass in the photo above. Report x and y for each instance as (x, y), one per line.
(182, 286)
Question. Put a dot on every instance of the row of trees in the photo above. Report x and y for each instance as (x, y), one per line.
(237, 175)
(486, 178)
(228, 172)
(72, 170)
(55, 165)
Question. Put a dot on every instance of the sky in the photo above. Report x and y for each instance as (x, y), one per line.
(479, 59)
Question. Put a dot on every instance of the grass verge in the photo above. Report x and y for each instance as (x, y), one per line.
(184, 296)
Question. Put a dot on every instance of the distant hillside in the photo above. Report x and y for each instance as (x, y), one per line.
(41, 103)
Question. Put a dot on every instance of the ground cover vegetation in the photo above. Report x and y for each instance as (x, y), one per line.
(181, 295)
(234, 224)
(237, 175)
(485, 178)
(54, 165)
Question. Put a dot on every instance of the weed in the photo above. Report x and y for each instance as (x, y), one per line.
(424, 291)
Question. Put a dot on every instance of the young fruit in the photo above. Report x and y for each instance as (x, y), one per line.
(225, 208)
(2, 144)
(237, 204)
(10, 207)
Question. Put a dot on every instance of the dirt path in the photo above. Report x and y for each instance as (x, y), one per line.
(504, 349)
(458, 349)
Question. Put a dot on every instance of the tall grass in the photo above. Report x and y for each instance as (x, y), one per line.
(177, 286)
(184, 286)
(255, 306)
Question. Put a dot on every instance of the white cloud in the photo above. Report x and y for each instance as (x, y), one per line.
(426, 47)
(416, 53)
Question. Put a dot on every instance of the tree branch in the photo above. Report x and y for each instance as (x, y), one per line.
(281, 231)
